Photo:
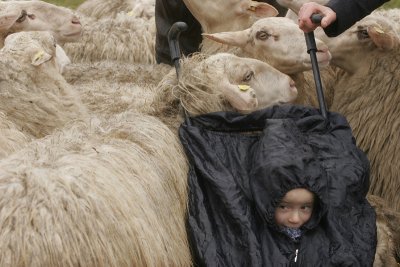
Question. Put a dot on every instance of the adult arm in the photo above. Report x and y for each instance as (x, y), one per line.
(349, 12)
(338, 15)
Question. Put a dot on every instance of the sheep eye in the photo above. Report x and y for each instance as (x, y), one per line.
(362, 34)
(263, 35)
(31, 16)
(249, 75)
(22, 17)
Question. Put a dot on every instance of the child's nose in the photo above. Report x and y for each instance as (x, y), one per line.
(294, 217)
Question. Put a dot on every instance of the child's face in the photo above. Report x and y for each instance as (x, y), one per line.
(295, 209)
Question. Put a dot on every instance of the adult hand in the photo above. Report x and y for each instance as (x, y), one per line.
(310, 8)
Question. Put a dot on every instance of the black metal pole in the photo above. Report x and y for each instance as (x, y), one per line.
(312, 50)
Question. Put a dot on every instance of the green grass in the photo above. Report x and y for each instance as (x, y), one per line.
(75, 3)
(67, 3)
(392, 4)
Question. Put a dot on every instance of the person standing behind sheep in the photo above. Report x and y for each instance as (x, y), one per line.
(339, 15)
(171, 11)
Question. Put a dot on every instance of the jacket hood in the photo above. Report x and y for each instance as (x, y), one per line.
(283, 161)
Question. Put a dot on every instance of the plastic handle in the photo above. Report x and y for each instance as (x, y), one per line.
(173, 39)
(316, 18)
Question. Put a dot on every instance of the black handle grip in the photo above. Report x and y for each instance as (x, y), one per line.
(316, 18)
(173, 39)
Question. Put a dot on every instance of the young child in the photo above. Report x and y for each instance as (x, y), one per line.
(294, 210)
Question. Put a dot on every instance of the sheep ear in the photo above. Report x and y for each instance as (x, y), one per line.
(383, 40)
(260, 9)
(241, 97)
(7, 21)
(40, 57)
(238, 38)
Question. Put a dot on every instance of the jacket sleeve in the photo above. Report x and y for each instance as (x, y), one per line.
(349, 12)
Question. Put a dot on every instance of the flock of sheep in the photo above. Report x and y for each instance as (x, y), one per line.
(91, 169)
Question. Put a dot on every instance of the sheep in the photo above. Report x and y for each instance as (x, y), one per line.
(206, 84)
(110, 8)
(105, 193)
(124, 39)
(289, 56)
(367, 94)
(279, 42)
(17, 16)
(34, 95)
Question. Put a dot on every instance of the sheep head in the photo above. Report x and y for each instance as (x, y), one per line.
(17, 16)
(35, 48)
(224, 82)
(277, 41)
(372, 37)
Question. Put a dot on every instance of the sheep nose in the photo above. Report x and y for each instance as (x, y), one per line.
(75, 20)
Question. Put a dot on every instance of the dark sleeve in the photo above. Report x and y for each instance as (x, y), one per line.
(167, 12)
(349, 12)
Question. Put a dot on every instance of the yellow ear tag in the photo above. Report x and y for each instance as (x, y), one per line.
(378, 30)
(130, 13)
(243, 87)
(38, 55)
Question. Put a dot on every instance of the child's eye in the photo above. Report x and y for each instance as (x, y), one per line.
(307, 208)
(283, 207)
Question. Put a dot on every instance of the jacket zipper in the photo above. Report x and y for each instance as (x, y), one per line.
(295, 259)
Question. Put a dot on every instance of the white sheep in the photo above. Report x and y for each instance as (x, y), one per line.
(279, 42)
(367, 94)
(34, 95)
(16, 16)
(100, 9)
(124, 38)
(101, 194)
(213, 84)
